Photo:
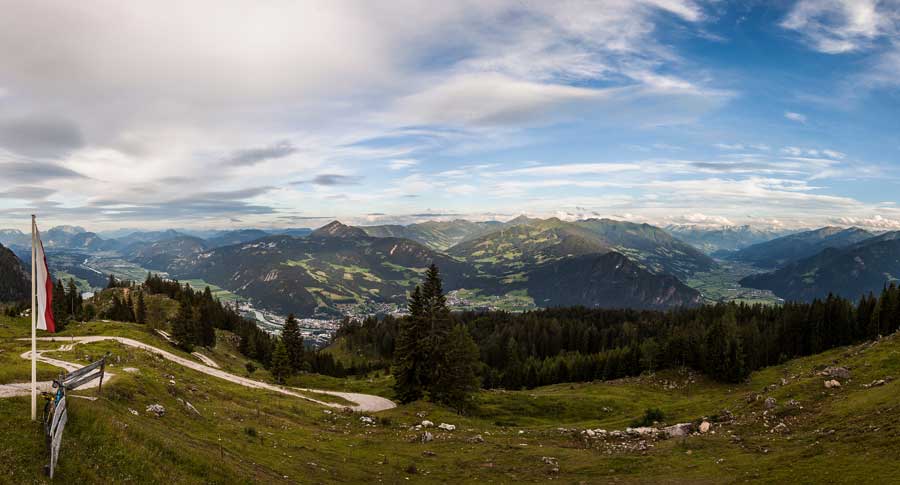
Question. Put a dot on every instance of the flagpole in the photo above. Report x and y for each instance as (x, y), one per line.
(33, 326)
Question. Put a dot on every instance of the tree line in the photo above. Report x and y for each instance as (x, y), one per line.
(725, 341)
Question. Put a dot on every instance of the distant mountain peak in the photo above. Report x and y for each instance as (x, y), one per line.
(339, 230)
(68, 229)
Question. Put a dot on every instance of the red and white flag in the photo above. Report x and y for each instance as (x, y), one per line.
(43, 284)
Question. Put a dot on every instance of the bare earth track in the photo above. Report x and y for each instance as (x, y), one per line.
(363, 402)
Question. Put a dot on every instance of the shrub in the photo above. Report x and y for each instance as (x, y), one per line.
(651, 416)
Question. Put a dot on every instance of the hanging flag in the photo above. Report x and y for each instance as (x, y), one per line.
(44, 287)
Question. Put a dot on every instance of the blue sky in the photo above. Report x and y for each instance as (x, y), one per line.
(294, 113)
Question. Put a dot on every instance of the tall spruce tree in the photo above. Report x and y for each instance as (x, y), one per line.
(456, 370)
(293, 342)
(281, 365)
(183, 331)
(431, 357)
(140, 315)
(409, 358)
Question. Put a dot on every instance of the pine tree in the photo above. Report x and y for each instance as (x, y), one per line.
(293, 342)
(281, 366)
(456, 370)
(183, 330)
(141, 314)
(409, 359)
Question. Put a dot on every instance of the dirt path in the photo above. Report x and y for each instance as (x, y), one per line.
(363, 402)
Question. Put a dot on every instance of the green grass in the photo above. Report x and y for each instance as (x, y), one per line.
(721, 285)
(246, 435)
(217, 292)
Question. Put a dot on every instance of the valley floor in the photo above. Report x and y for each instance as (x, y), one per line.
(809, 434)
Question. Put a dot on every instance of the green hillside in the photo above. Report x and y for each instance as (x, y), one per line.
(244, 436)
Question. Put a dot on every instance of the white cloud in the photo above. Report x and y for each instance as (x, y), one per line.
(840, 26)
(800, 118)
(401, 164)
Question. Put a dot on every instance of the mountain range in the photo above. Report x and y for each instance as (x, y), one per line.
(721, 240)
(850, 271)
(536, 262)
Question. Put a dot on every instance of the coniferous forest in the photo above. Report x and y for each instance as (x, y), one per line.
(724, 341)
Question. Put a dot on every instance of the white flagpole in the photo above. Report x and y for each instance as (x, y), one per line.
(33, 324)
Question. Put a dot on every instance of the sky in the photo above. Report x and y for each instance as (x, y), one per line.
(268, 113)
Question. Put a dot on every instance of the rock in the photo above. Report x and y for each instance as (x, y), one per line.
(131, 370)
(447, 427)
(427, 437)
(427, 424)
(837, 372)
(832, 384)
(367, 420)
(327, 411)
(642, 431)
(794, 403)
(877, 383)
(705, 426)
(133, 411)
(421, 414)
(590, 433)
(770, 403)
(781, 428)
(476, 439)
(428, 453)
(552, 462)
(784, 381)
(678, 430)
(157, 409)
(190, 407)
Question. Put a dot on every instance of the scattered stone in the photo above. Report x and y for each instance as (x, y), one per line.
(476, 439)
(552, 462)
(642, 431)
(133, 411)
(172, 381)
(131, 370)
(428, 453)
(447, 427)
(427, 437)
(367, 420)
(327, 411)
(784, 381)
(832, 384)
(794, 403)
(780, 428)
(421, 414)
(678, 430)
(705, 426)
(189, 406)
(427, 424)
(875, 383)
(770, 403)
(837, 372)
(157, 409)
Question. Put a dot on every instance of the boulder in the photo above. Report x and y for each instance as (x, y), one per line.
(476, 439)
(427, 437)
(641, 431)
(770, 403)
(367, 420)
(705, 427)
(447, 427)
(831, 384)
(678, 430)
(427, 424)
(837, 372)
(157, 409)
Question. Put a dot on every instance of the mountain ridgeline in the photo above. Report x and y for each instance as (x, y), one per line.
(851, 271)
(549, 262)
(13, 278)
(783, 250)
